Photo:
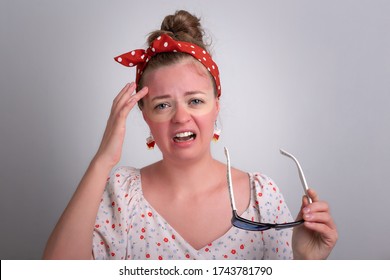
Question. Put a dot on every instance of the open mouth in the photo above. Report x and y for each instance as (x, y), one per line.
(184, 137)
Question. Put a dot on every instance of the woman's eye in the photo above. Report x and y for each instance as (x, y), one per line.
(161, 106)
(196, 101)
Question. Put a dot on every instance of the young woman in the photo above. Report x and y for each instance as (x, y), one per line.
(179, 207)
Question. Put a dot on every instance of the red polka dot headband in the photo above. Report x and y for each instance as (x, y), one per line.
(165, 43)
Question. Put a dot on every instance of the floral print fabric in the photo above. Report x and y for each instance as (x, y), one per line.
(127, 226)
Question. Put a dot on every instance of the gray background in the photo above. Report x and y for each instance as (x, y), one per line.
(309, 76)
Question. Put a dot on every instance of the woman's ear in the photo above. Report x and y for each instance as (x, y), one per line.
(145, 117)
(217, 105)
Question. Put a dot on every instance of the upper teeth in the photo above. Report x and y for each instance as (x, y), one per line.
(184, 134)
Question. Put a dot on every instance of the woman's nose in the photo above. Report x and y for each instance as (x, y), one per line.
(181, 114)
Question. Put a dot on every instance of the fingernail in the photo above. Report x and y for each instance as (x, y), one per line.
(306, 210)
(307, 216)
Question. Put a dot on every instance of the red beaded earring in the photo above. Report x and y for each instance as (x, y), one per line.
(217, 132)
(150, 142)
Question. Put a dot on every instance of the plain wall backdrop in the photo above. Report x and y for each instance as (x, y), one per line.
(312, 77)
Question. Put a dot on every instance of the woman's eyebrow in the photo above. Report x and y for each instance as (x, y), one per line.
(160, 97)
(194, 92)
(166, 96)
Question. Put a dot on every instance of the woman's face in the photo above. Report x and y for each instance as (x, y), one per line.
(181, 109)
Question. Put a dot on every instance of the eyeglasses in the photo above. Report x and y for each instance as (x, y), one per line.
(245, 224)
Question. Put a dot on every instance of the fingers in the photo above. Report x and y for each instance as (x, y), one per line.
(126, 95)
(111, 145)
(328, 235)
(123, 91)
(138, 96)
(318, 227)
(128, 103)
(313, 195)
(126, 98)
(326, 230)
(305, 202)
(319, 206)
(324, 219)
(318, 217)
(128, 88)
(123, 107)
(317, 214)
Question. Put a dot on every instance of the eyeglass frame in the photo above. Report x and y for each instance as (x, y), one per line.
(246, 224)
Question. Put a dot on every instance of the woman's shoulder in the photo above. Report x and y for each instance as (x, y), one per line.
(124, 179)
(262, 178)
(263, 183)
(125, 171)
(121, 174)
(240, 177)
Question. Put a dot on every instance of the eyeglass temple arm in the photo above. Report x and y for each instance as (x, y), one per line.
(300, 171)
(229, 179)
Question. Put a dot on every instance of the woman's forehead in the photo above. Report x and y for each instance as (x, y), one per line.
(179, 78)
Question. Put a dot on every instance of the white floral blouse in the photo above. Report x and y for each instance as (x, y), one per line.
(127, 226)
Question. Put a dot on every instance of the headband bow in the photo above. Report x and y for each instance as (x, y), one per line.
(165, 43)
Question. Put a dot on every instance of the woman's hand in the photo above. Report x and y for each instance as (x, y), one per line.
(110, 150)
(316, 238)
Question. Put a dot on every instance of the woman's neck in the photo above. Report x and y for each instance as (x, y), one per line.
(187, 178)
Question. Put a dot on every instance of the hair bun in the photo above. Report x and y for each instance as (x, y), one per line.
(181, 26)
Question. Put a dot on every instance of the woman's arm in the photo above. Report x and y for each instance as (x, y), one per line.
(72, 236)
